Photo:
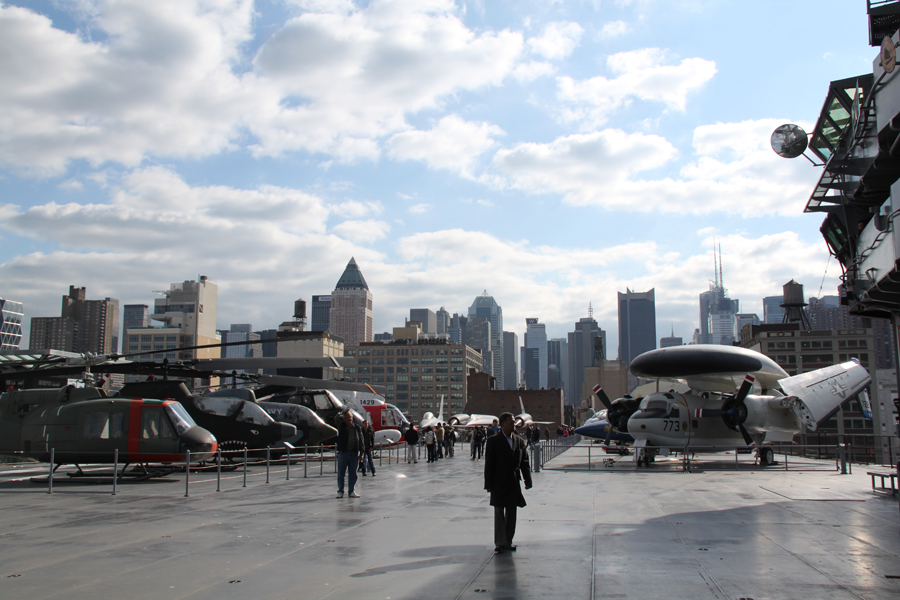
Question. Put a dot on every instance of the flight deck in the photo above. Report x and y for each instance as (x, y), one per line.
(426, 531)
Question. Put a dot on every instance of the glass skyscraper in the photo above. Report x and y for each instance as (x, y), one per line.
(485, 306)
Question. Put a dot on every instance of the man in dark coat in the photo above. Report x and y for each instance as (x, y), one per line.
(505, 464)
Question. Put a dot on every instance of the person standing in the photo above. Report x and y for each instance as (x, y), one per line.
(429, 443)
(439, 440)
(505, 464)
(350, 447)
(368, 445)
(412, 443)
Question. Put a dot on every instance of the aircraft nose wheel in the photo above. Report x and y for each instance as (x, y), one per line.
(766, 457)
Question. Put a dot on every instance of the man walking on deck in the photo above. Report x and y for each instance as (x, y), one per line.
(505, 464)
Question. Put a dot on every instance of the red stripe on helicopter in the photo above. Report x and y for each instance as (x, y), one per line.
(134, 427)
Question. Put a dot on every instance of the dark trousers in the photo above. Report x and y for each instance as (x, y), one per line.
(504, 525)
(430, 448)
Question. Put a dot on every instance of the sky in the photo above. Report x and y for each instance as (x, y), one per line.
(552, 153)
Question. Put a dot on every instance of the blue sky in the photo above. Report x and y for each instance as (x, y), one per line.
(552, 153)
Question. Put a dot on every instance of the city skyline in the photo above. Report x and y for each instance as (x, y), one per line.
(553, 153)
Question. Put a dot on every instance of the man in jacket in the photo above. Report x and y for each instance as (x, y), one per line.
(412, 443)
(350, 450)
(505, 464)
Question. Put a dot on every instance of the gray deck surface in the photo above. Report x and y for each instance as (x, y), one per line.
(425, 531)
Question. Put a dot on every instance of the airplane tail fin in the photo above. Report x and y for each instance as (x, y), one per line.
(440, 416)
(521, 404)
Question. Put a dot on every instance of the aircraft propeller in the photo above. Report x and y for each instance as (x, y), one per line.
(617, 412)
(734, 411)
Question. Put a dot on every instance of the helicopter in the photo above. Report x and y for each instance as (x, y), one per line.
(712, 416)
(84, 425)
(235, 422)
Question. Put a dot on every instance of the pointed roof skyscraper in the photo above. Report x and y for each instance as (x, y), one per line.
(352, 317)
(352, 277)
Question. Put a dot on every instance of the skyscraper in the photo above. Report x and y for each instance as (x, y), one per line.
(321, 313)
(637, 323)
(773, 311)
(535, 339)
(717, 311)
(510, 360)
(558, 359)
(443, 321)
(11, 315)
(83, 325)
(352, 317)
(135, 315)
(478, 336)
(485, 306)
(426, 317)
(187, 311)
(586, 347)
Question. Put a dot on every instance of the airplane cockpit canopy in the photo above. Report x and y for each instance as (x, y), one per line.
(244, 412)
(179, 417)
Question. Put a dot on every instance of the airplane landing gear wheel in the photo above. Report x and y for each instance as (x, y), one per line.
(766, 457)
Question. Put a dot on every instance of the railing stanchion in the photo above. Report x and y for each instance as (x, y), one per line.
(187, 474)
(115, 470)
(321, 459)
(305, 458)
(267, 464)
(287, 476)
(219, 470)
(245, 467)
(50, 476)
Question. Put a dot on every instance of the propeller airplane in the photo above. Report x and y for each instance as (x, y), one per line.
(713, 416)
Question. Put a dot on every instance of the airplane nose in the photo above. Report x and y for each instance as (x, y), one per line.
(200, 442)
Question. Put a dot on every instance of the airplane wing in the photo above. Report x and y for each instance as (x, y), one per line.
(820, 393)
(475, 421)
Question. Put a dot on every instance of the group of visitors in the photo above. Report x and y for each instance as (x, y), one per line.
(439, 440)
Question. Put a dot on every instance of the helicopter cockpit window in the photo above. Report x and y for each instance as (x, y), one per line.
(224, 407)
(155, 424)
(324, 401)
(104, 426)
(252, 413)
(179, 417)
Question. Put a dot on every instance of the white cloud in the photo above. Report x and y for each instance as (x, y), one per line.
(557, 41)
(418, 209)
(363, 232)
(642, 75)
(354, 209)
(170, 78)
(733, 170)
(614, 29)
(452, 144)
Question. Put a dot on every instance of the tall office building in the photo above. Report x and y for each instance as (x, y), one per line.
(135, 315)
(637, 324)
(11, 315)
(773, 311)
(457, 328)
(241, 332)
(443, 321)
(352, 317)
(510, 360)
(478, 336)
(531, 361)
(557, 363)
(83, 325)
(485, 306)
(426, 317)
(187, 312)
(586, 348)
(717, 311)
(828, 313)
(536, 339)
(321, 313)
(670, 341)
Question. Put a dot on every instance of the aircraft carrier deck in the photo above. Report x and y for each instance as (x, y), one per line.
(425, 531)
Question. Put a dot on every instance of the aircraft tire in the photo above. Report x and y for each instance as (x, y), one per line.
(766, 457)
